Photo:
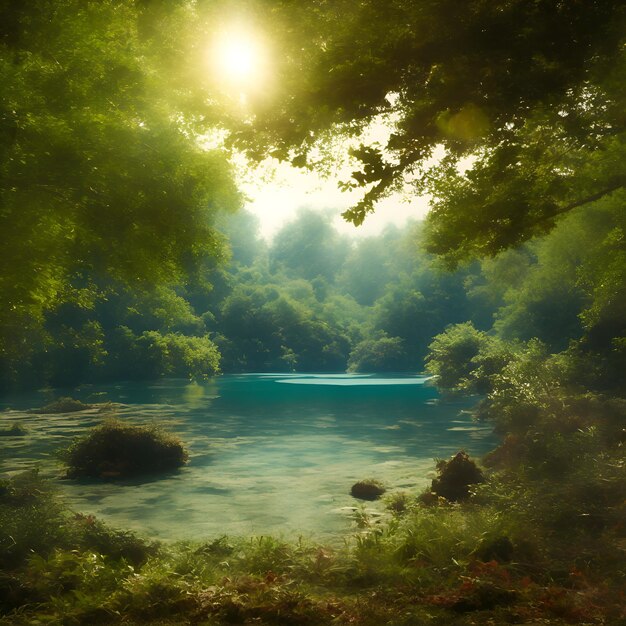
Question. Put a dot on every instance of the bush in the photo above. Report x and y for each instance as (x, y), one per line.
(455, 477)
(64, 405)
(173, 354)
(32, 519)
(367, 490)
(467, 360)
(386, 354)
(117, 450)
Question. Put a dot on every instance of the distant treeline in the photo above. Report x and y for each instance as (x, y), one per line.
(315, 300)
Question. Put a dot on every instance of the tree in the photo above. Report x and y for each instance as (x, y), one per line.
(526, 96)
(385, 354)
(467, 360)
(308, 247)
(370, 266)
(102, 175)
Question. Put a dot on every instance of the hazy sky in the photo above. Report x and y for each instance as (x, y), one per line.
(277, 200)
(240, 60)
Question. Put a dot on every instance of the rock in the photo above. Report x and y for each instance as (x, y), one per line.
(455, 477)
(367, 490)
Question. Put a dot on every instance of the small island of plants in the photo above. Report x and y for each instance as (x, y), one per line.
(116, 450)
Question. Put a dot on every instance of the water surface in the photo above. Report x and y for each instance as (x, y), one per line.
(269, 453)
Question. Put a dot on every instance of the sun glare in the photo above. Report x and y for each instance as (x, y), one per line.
(238, 58)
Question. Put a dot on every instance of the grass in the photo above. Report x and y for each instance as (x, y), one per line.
(492, 560)
(116, 450)
(537, 539)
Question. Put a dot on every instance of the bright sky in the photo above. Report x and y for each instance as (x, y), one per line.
(276, 202)
(240, 60)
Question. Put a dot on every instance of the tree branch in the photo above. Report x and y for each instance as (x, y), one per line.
(592, 198)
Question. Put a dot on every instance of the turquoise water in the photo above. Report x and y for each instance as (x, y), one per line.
(269, 453)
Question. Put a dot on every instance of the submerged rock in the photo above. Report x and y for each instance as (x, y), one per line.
(455, 477)
(367, 490)
(117, 450)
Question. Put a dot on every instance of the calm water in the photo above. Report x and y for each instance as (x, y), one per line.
(269, 453)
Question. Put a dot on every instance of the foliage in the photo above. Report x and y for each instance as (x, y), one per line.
(466, 360)
(31, 519)
(308, 247)
(507, 558)
(386, 354)
(117, 450)
(368, 489)
(525, 99)
(175, 355)
(96, 149)
(63, 405)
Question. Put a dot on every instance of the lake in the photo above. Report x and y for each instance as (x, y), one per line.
(269, 453)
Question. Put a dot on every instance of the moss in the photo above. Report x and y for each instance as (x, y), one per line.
(63, 405)
(118, 450)
(367, 490)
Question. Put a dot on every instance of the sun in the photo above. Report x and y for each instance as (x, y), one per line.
(238, 58)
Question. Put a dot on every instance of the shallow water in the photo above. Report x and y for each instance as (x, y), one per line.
(269, 453)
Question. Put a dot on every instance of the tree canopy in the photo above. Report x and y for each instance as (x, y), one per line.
(101, 171)
(526, 98)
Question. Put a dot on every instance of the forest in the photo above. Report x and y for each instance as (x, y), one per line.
(129, 257)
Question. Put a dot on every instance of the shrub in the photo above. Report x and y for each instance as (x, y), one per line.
(64, 405)
(386, 354)
(467, 360)
(32, 519)
(455, 477)
(367, 490)
(117, 450)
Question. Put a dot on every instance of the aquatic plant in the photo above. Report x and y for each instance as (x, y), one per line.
(15, 430)
(118, 450)
(63, 405)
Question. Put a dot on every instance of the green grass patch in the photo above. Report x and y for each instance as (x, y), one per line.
(454, 564)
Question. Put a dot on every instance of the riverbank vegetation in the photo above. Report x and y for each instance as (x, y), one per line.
(123, 259)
